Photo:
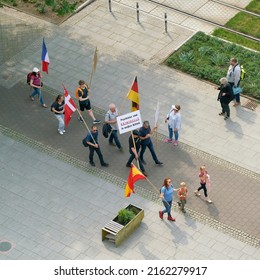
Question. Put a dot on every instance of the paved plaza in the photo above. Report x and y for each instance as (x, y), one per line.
(54, 204)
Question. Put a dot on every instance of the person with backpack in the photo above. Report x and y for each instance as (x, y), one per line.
(57, 108)
(110, 118)
(166, 194)
(92, 143)
(36, 83)
(225, 96)
(82, 93)
(233, 77)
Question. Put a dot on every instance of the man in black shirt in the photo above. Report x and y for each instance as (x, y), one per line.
(134, 150)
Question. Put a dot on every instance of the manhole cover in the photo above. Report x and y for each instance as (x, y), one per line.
(251, 105)
(5, 246)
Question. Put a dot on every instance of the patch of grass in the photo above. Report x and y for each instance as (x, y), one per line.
(235, 38)
(254, 7)
(245, 23)
(210, 61)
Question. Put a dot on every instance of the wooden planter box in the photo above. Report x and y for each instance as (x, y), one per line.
(116, 232)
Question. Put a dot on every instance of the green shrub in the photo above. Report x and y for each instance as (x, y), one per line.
(125, 216)
(207, 57)
(63, 7)
(41, 8)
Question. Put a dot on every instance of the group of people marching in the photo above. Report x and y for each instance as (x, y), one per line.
(138, 140)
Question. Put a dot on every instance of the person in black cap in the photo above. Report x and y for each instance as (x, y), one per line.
(134, 150)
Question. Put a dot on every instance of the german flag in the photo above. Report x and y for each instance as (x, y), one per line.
(134, 175)
(133, 95)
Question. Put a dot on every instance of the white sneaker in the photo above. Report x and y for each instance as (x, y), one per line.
(60, 132)
(63, 130)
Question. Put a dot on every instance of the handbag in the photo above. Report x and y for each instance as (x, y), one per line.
(237, 90)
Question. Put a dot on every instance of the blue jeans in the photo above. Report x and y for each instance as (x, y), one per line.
(168, 207)
(237, 97)
(37, 91)
(151, 148)
(113, 135)
(60, 119)
(170, 132)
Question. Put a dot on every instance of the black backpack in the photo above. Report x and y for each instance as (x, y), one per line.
(29, 78)
(84, 143)
(106, 129)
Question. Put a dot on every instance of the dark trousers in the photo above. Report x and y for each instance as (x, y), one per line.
(91, 154)
(225, 109)
(132, 156)
(151, 148)
(204, 188)
(114, 136)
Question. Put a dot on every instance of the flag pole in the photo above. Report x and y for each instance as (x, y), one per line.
(86, 126)
(123, 103)
(94, 64)
(135, 149)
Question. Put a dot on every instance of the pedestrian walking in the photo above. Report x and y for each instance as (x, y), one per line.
(204, 181)
(92, 141)
(174, 124)
(225, 96)
(110, 118)
(57, 108)
(134, 146)
(182, 194)
(233, 77)
(145, 133)
(36, 84)
(166, 195)
(84, 101)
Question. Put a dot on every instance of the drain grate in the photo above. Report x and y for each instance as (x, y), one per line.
(5, 246)
(251, 105)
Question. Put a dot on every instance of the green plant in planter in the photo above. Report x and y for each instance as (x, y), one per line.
(125, 216)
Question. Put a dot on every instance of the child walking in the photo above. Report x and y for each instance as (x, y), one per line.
(204, 181)
(182, 194)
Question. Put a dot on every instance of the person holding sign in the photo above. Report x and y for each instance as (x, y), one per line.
(134, 146)
(145, 133)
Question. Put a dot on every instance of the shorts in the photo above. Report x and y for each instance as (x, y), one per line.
(86, 106)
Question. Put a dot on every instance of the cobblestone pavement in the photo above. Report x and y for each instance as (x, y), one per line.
(203, 141)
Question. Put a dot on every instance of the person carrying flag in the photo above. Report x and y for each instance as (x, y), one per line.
(84, 102)
(92, 141)
(36, 84)
(57, 108)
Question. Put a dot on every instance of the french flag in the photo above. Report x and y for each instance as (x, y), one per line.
(45, 58)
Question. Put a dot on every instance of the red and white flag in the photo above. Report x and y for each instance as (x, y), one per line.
(45, 58)
(70, 107)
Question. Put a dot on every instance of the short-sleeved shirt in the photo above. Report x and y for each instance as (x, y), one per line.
(111, 116)
(143, 132)
(168, 193)
(182, 192)
(131, 143)
(58, 107)
(36, 79)
(94, 135)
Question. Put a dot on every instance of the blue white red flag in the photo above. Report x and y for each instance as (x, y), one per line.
(45, 58)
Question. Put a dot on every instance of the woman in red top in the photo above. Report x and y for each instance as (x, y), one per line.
(36, 84)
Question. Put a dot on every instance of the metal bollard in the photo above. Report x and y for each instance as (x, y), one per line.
(165, 23)
(137, 12)
(109, 6)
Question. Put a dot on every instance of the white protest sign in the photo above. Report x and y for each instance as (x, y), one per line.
(129, 122)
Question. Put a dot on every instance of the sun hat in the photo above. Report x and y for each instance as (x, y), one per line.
(35, 69)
